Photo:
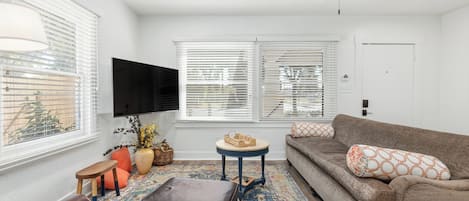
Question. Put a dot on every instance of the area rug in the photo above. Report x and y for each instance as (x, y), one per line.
(280, 185)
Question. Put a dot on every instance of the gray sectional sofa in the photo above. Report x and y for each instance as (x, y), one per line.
(321, 162)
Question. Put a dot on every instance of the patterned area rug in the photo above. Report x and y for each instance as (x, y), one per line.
(280, 186)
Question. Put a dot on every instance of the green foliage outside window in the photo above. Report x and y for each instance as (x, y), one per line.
(40, 122)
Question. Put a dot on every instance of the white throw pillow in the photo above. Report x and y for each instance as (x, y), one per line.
(306, 129)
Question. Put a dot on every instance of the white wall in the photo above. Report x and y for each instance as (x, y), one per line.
(149, 39)
(53, 177)
(196, 141)
(454, 87)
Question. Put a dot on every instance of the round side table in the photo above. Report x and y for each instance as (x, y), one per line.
(261, 149)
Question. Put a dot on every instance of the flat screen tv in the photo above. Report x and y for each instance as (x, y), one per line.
(142, 88)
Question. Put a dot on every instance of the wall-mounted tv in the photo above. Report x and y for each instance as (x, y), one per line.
(142, 88)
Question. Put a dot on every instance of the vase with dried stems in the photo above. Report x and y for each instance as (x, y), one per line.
(145, 135)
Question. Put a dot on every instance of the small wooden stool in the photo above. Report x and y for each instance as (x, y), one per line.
(96, 170)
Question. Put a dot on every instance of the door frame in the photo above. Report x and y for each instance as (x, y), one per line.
(359, 62)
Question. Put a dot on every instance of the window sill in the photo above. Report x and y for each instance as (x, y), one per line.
(235, 124)
(217, 124)
(15, 159)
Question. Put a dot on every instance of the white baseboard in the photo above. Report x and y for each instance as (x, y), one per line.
(212, 155)
(86, 191)
(86, 188)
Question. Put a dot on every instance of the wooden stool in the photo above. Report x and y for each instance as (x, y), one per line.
(96, 170)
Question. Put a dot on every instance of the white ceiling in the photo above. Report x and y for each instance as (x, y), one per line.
(294, 7)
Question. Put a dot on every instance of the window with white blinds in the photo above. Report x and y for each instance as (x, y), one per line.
(298, 80)
(216, 80)
(51, 92)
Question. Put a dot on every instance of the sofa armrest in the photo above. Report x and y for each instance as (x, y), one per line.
(401, 184)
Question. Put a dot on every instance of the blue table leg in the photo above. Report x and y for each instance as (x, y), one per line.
(116, 183)
(240, 175)
(223, 175)
(102, 185)
(263, 165)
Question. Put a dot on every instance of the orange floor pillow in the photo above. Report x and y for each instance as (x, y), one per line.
(122, 156)
(122, 178)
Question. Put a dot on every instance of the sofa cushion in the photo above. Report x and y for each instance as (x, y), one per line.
(326, 145)
(427, 192)
(451, 149)
(415, 188)
(387, 164)
(329, 154)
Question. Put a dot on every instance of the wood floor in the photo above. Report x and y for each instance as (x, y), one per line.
(304, 187)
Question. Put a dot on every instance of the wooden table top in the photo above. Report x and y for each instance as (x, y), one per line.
(96, 169)
(260, 145)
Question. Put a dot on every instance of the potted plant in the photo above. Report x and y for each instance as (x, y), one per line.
(144, 155)
(145, 135)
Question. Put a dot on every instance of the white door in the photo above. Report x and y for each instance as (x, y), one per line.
(388, 82)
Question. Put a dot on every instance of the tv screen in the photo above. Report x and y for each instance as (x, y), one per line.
(142, 88)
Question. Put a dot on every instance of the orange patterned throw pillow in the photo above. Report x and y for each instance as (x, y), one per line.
(387, 164)
(306, 129)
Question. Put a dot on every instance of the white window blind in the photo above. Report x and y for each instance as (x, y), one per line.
(216, 80)
(52, 92)
(298, 80)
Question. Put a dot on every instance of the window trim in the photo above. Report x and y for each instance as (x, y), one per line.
(237, 125)
(256, 82)
(182, 116)
(260, 103)
(23, 153)
(15, 155)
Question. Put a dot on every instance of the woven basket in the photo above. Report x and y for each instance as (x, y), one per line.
(163, 156)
